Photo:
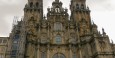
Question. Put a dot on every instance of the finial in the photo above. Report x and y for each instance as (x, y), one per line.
(87, 7)
(112, 41)
(103, 31)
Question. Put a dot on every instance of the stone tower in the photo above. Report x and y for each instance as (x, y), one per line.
(33, 14)
(59, 35)
(81, 14)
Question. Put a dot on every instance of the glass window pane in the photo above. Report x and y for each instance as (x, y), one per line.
(58, 39)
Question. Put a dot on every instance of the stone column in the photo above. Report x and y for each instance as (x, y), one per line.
(38, 51)
(48, 53)
(28, 48)
(70, 51)
(80, 51)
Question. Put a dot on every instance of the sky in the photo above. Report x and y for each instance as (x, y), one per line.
(102, 13)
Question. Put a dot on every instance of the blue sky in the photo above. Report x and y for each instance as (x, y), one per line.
(102, 13)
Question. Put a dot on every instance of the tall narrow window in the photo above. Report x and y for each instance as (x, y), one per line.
(43, 55)
(37, 4)
(77, 6)
(74, 56)
(31, 4)
(0, 40)
(58, 26)
(58, 39)
(82, 6)
(57, 9)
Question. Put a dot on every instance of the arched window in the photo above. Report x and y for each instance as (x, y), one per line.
(43, 55)
(77, 6)
(74, 56)
(58, 55)
(58, 26)
(58, 39)
(82, 6)
(31, 4)
(37, 4)
(57, 9)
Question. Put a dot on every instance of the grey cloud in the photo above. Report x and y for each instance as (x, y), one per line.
(9, 10)
(101, 5)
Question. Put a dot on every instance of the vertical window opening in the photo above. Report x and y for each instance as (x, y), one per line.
(31, 4)
(58, 39)
(82, 6)
(37, 4)
(43, 55)
(77, 6)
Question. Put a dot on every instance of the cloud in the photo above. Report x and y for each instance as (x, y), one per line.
(9, 9)
(101, 5)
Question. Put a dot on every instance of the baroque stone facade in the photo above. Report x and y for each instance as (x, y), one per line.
(58, 35)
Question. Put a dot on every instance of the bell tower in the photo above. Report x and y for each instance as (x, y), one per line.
(33, 14)
(81, 14)
(34, 8)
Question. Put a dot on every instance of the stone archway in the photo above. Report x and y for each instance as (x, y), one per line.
(58, 55)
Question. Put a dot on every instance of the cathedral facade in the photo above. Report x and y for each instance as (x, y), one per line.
(58, 35)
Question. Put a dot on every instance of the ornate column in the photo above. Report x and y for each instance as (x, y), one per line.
(38, 51)
(70, 51)
(80, 51)
(48, 52)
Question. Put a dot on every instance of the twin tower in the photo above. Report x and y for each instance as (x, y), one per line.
(79, 13)
(59, 35)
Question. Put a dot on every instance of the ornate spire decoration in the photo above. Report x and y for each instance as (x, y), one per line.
(103, 32)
